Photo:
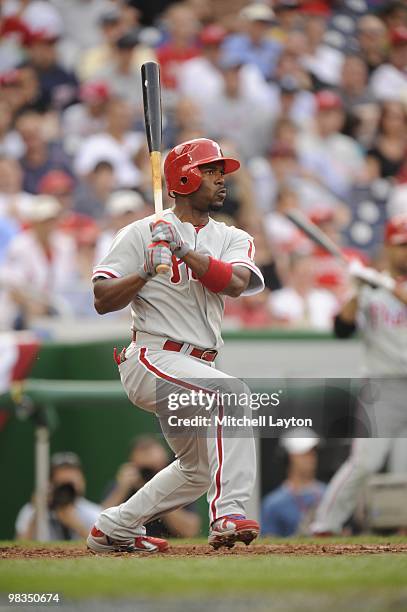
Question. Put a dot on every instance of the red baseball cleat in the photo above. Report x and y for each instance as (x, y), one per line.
(101, 543)
(228, 530)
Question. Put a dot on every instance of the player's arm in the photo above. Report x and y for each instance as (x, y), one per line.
(345, 320)
(125, 271)
(232, 275)
(116, 293)
(217, 275)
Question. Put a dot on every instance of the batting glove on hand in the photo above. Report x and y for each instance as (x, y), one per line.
(157, 254)
(162, 231)
(370, 276)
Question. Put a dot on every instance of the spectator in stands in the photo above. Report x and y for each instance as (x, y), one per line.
(288, 17)
(181, 45)
(86, 118)
(289, 509)
(82, 26)
(359, 103)
(389, 81)
(123, 73)
(200, 78)
(39, 263)
(235, 115)
(20, 89)
(58, 87)
(118, 145)
(147, 457)
(293, 102)
(388, 151)
(95, 59)
(10, 142)
(93, 190)
(324, 150)
(13, 199)
(254, 44)
(70, 514)
(40, 156)
(323, 62)
(299, 304)
(122, 208)
(353, 84)
(372, 41)
(283, 235)
(59, 185)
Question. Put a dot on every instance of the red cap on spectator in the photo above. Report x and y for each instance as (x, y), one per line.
(398, 36)
(327, 100)
(41, 36)
(9, 78)
(54, 182)
(316, 7)
(321, 215)
(213, 34)
(396, 230)
(94, 91)
(82, 228)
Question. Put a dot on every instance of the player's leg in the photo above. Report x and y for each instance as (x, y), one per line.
(232, 472)
(339, 501)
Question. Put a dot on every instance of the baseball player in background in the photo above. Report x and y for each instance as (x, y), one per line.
(379, 310)
(176, 336)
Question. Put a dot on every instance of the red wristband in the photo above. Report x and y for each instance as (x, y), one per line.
(218, 275)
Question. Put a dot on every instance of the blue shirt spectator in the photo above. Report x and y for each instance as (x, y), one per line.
(255, 45)
(284, 509)
(289, 509)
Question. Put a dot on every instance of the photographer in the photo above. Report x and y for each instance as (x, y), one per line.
(70, 515)
(147, 457)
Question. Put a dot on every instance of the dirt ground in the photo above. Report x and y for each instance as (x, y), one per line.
(202, 550)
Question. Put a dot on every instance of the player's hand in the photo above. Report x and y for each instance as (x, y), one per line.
(157, 254)
(370, 276)
(163, 231)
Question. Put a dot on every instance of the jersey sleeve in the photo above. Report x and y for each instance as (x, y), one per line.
(240, 252)
(125, 255)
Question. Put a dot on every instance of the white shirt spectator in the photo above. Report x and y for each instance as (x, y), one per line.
(200, 81)
(397, 204)
(11, 145)
(325, 64)
(27, 268)
(337, 159)
(389, 83)
(77, 124)
(103, 147)
(87, 512)
(315, 311)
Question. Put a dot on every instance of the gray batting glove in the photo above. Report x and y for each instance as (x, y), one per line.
(157, 255)
(163, 231)
(370, 276)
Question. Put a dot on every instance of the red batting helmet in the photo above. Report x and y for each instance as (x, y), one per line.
(181, 170)
(396, 230)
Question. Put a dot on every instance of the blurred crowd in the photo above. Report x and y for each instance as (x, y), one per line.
(311, 95)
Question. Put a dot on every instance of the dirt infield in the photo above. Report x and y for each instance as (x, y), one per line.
(203, 550)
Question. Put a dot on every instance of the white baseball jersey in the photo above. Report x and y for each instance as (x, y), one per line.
(382, 319)
(177, 305)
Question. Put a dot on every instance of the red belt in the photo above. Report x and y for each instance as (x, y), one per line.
(171, 345)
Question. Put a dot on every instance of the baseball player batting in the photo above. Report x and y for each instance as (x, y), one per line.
(381, 315)
(176, 324)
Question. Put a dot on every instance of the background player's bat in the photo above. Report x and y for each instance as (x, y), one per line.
(366, 275)
(315, 233)
(150, 78)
